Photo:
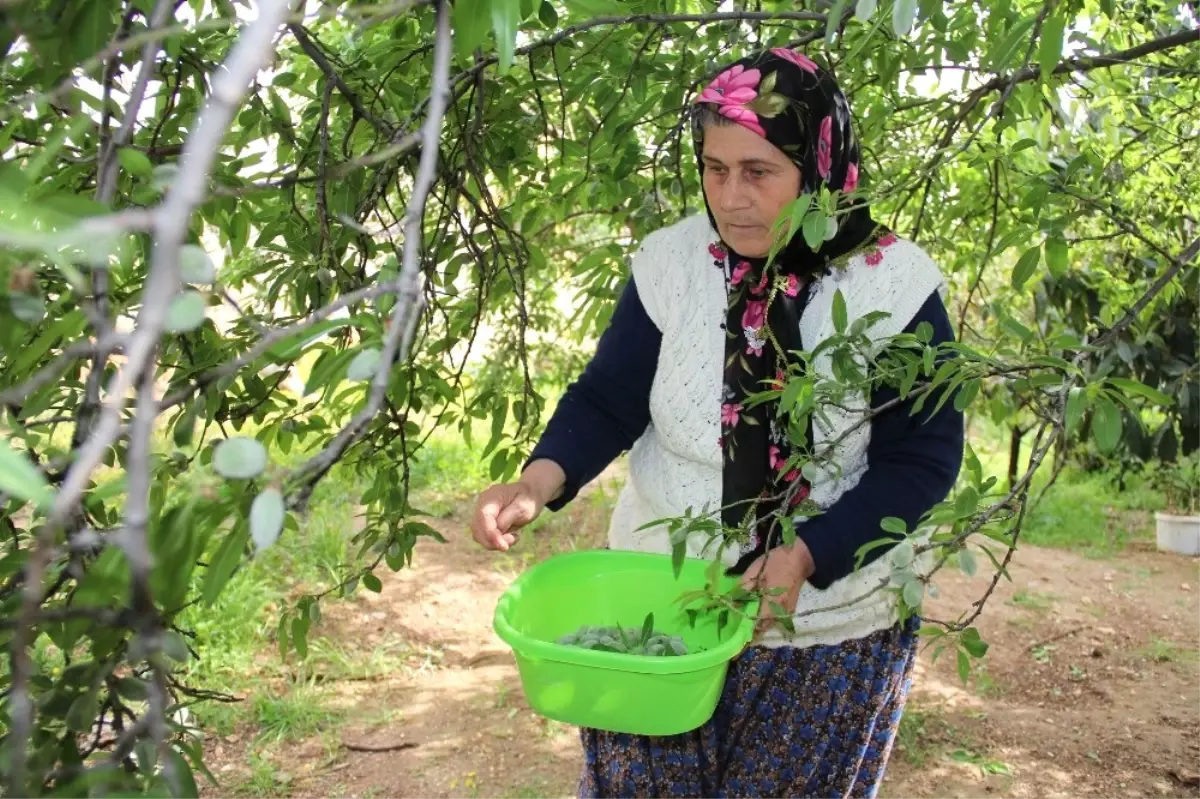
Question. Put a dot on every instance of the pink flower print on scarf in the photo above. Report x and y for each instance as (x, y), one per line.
(717, 250)
(799, 59)
(755, 314)
(874, 255)
(758, 290)
(773, 456)
(851, 182)
(739, 273)
(731, 91)
(729, 416)
(793, 286)
(754, 319)
(744, 117)
(825, 148)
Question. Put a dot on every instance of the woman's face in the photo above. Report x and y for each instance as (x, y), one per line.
(747, 182)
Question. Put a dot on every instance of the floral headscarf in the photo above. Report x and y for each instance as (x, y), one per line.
(796, 105)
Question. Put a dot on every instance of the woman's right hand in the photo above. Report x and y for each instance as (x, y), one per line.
(502, 510)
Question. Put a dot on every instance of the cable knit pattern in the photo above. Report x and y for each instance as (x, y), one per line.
(675, 467)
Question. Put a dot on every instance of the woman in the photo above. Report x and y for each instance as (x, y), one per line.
(704, 321)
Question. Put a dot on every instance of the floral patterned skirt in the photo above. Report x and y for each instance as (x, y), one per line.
(818, 721)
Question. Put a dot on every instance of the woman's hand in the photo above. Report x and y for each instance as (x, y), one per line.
(502, 510)
(784, 568)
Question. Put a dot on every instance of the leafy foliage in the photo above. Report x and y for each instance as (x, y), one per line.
(219, 283)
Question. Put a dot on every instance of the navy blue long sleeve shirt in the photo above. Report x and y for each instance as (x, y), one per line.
(912, 459)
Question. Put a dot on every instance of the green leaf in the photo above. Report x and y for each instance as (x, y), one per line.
(365, 365)
(834, 20)
(135, 162)
(223, 564)
(195, 266)
(1106, 424)
(21, 479)
(300, 627)
(1003, 53)
(865, 9)
(678, 553)
(966, 502)
(372, 583)
(1056, 256)
(647, 627)
(182, 780)
(28, 308)
(1050, 49)
(1077, 403)
(290, 348)
(964, 666)
(895, 525)
(266, 518)
(840, 320)
(91, 29)
(472, 19)
(970, 640)
(1142, 390)
(239, 458)
(967, 562)
(163, 175)
(505, 19)
(966, 395)
(901, 556)
(81, 716)
(1025, 267)
(904, 12)
(814, 229)
(1109, 7)
(186, 312)
(174, 647)
(914, 593)
(799, 207)
(547, 15)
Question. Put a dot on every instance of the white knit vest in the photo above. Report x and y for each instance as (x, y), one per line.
(676, 465)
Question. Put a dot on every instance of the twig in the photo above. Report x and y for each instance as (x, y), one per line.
(1059, 637)
(56, 366)
(278, 334)
(388, 747)
(314, 51)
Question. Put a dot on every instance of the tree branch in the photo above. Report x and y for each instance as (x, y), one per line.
(230, 84)
(313, 51)
(402, 324)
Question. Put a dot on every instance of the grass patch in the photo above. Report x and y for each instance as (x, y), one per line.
(919, 734)
(334, 660)
(1164, 651)
(1086, 513)
(298, 712)
(265, 779)
(1032, 600)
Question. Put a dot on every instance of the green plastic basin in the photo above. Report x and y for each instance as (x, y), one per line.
(610, 690)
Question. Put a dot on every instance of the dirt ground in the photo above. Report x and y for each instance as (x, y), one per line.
(1090, 687)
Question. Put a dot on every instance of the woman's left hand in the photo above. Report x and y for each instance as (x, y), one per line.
(784, 568)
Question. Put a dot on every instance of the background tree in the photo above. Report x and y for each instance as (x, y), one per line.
(231, 229)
